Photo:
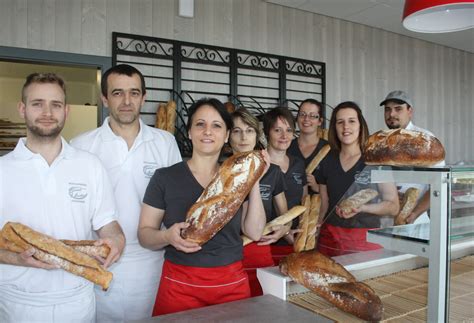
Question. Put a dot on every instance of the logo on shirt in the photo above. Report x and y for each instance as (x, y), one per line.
(298, 178)
(265, 191)
(149, 169)
(362, 177)
(77, 192)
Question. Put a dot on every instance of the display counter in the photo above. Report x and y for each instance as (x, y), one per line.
(426, 270)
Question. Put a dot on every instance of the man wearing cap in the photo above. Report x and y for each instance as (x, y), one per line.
(398, 112)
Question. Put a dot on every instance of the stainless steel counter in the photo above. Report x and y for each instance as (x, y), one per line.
(266, 308)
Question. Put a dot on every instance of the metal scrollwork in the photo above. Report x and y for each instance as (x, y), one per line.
(257, 61)
(145, 47)
(304, 68)
(205, 54)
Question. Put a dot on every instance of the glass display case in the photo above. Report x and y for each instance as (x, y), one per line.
(447, 236)
(425, 271)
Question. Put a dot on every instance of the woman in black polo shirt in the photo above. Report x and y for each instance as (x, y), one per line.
(244, 137)
(308, 144)
(279, 128)
(341, 174)
(195, 276)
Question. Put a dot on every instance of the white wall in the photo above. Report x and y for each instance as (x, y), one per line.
(363, 63)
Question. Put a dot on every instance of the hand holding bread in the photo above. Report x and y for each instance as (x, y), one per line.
(19, 238)
(351, 205)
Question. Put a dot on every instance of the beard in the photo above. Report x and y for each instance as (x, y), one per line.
(393, 124)
(42, 133)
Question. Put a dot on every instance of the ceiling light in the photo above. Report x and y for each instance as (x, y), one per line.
(438, 16)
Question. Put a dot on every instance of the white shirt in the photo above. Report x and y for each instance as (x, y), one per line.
(66, 200)
(130, 170)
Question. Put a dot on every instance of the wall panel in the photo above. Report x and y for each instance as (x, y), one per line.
(363, 63)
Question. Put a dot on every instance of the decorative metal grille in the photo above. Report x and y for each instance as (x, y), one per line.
(185, 72)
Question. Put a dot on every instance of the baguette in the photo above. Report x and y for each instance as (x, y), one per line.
(283, 219)
(88, 247)
(408, 204)
(357, 200)
(311, 235)
(334, 283)
(401, 147)
(161, 116)
(170, 116)
(300, 239)
(52, 251)
(223, 197)
(317, 159)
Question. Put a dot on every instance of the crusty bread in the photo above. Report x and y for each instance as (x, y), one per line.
(357, 200)
(408, 204)
(334, 283)
(52, 251)
(312, 235)
(229, 106)
(400, 147)
(317, 159)
(88, 247)
(283, 219)
(224, 195)
(300, 239)
(170, 116)
(161, 117)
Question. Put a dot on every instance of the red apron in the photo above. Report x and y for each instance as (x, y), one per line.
(280, 252)
(336, 241)
(256, 256)
(185, 287)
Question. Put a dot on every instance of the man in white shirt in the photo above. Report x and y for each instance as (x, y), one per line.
(59, 191)
(130, 151)
(398, 113)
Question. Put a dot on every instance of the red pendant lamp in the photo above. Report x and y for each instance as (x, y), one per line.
(438, 16)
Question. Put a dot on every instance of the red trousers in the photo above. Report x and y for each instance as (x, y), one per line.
(184, 287)
(256, 256)
(280, 252)
(336, 241)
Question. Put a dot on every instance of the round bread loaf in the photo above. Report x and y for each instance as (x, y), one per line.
(400, 147)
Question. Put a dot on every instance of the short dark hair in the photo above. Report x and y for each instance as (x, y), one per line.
(216, 104)
(122, 69)
(271, 117)
(364, 129)
(316, 103)
(42, 78)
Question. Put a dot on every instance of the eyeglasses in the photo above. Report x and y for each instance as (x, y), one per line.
(239, 132)
(303, 115)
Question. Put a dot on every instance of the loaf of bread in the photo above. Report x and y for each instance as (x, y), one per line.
(357, 200)
(161, 117)
(408, 204)
(88, 247)
(283, 219)
(334, 283)
(300, 238)
(170, 116)
(312, 233)
(223, 197)
(230, 107)
(400, 147)
(317, 159)
(18, 238)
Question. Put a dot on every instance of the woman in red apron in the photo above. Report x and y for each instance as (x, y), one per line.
(244, 137)
(279, 128)
(195, 276)
(343, 173)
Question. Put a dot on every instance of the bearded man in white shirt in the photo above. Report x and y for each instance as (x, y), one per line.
(398, 113)
(131, 151)
(39, 181)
